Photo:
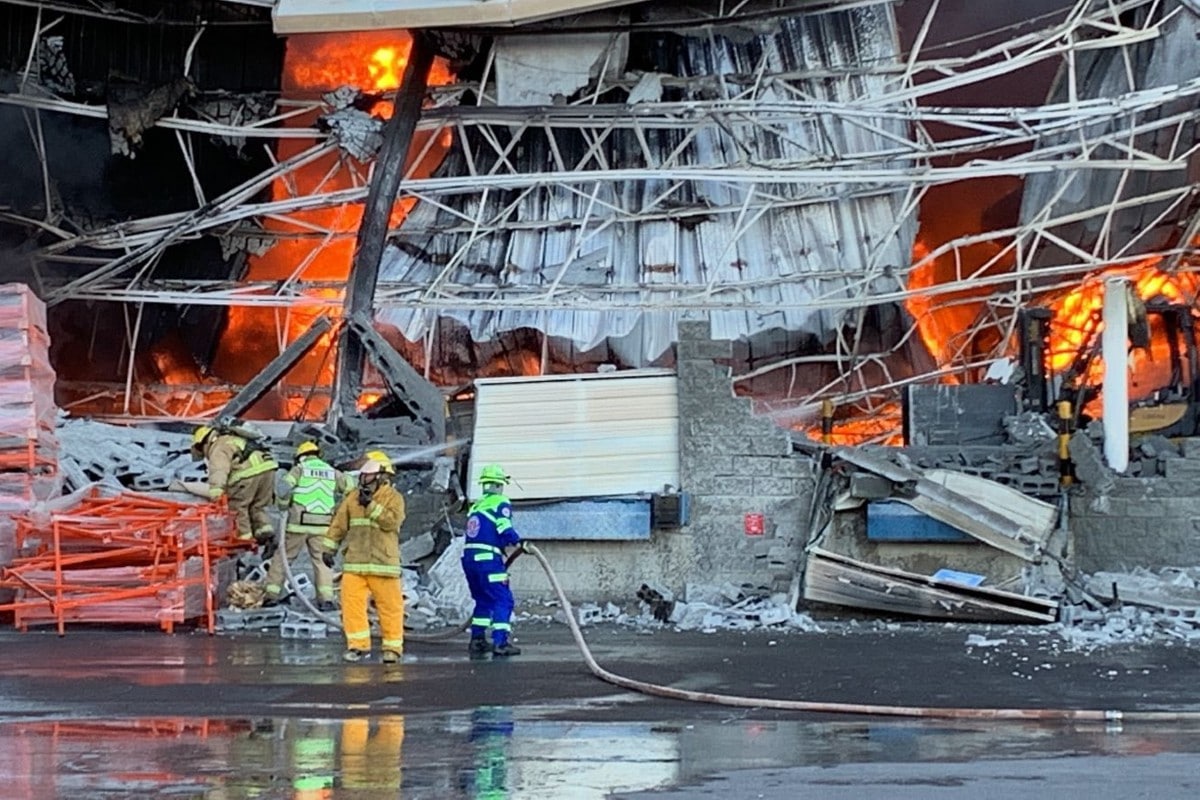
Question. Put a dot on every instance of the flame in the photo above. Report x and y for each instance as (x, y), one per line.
(880, 426)
(319, 244)
(1077, 314)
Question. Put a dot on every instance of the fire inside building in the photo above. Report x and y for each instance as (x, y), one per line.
(798, 295)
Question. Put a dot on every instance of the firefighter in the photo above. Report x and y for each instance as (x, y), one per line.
(489, 532)
(309, 492)
(243, 473)
(368, 523)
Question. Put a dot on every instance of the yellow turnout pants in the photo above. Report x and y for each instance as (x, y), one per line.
(249, 499)
(388, 594)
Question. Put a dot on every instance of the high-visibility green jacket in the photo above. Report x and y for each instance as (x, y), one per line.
(230, 460)
(371, 535)
(310, 495)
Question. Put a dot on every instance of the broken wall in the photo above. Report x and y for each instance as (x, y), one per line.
(732, 463)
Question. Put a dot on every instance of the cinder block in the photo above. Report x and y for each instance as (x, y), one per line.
(774, 487)
(303, 630)
(756, 466)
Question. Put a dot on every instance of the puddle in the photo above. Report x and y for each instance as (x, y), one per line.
(491, 752)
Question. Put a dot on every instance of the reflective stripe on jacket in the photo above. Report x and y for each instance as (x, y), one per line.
(312, 498)
(229, 463)
(371, 535)
(489, 531)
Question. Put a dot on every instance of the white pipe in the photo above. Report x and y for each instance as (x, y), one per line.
(1115, 348)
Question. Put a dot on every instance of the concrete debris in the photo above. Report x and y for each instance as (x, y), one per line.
(302, 626)
(978, 640)
(417, 547)
(748, 614)
(1090, 468)
(1028, 428)
(140, 459)
(1145, 607)
(440, 597)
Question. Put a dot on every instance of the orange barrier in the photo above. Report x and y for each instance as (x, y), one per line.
(131, 558)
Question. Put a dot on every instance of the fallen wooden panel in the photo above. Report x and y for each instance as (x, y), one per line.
(989, 511)
(840, 580)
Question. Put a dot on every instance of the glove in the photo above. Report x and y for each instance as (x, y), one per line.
(328, 559)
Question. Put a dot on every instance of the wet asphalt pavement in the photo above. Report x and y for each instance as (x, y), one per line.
(141, 714)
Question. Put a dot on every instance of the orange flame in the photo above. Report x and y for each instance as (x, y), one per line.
(1077, 313)
(318, 245)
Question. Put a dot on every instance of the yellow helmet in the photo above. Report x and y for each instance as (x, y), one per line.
(307, 448)
(382, 459)
(199, 435)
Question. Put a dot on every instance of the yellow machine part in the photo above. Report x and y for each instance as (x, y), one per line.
(1154, 418)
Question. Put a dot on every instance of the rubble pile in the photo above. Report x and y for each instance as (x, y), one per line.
(144, 460)
(707, 609)
(1144, 606)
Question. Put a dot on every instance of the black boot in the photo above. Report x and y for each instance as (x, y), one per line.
(478, 648)
(506, 649)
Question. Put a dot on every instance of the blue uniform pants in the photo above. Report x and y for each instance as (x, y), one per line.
(493, 603)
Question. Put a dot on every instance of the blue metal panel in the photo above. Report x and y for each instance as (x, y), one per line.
(593, 520)
(890, 521)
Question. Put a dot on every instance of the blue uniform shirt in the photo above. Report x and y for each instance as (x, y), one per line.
(489, 531)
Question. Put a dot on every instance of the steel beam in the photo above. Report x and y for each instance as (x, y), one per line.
(372, 233)
(279, 366)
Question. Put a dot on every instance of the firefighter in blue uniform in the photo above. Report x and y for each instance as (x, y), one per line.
(489, 532)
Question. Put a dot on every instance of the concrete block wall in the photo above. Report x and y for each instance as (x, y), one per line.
(731, 463)
(1139, 522)
(734, 463)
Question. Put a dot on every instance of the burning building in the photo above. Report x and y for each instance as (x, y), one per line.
(860, 195)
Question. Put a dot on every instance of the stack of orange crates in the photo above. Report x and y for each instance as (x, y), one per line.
(130, 558)
(28, 447)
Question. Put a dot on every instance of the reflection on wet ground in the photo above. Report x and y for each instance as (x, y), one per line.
(496, 752)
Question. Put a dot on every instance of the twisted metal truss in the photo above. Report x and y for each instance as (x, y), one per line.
(881, 139)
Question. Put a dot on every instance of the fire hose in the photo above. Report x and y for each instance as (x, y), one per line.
(811, 706)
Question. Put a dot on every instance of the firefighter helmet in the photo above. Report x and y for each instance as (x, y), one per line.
(494, 473)
(199, 435)
(307, 449)
(381, 458)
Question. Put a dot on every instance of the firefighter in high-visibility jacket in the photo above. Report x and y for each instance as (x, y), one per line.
(489, 532)
(243, 474)
(367, 523)
(309, 492)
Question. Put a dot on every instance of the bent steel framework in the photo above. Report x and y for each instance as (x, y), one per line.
(769, 176)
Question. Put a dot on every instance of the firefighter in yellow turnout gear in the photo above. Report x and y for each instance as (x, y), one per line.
(310, 493)
(240, 472)
(367, 525)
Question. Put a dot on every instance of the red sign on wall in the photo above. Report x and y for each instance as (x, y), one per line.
(755, 524)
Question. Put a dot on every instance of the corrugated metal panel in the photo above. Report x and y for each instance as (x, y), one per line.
(568, 436)
(1168, 59)
(792, 253)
